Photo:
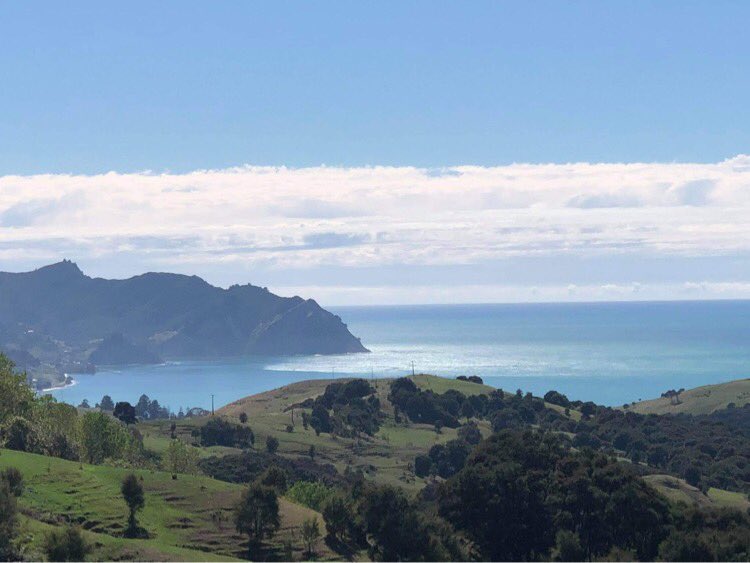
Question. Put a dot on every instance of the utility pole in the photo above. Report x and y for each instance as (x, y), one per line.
(212, 404)
(412, 368)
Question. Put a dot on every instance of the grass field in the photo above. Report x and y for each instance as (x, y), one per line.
(701, 400)
(678, 491)
(187, 519)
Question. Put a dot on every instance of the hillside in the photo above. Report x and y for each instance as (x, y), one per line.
(411, 468)
(386, 457)
(58, 316)
(701, 400)
(188, 519)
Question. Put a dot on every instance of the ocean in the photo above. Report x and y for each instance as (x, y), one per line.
(610, 353)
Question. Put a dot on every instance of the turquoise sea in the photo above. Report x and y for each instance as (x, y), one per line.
(610, 353)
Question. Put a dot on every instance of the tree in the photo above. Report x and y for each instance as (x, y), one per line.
(66, 544)
(16, 397)
(556, 398)
(682, 546)
(422, 465)
(257, 515)
(467, 410)
(102, 437)
(310, 535)
(470, 433)
(312, 494)
(221, 432)
(568, 547)
(14, 478)
(243, 418)
(107, 404)
(125, 412)
(311, 451)
(338, 516)
(84, 404)
(8, 523)
(181, 458)
(395, 528)
(19, 434)
(272, 444)
(142, 407)
(274, 477)
(498, 498)
(132, 492)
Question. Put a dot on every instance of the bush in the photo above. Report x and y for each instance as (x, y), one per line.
(14, 478)
(310, 494)
(19, 435)
(65, 544)
(272, 444)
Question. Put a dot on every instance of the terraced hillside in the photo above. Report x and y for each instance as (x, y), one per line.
(188, 519)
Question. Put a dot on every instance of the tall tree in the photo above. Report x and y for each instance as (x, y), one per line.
(310, 533)
(257, 515)
(132, 492)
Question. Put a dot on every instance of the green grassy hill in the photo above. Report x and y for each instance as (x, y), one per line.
(385, 457)
(188, 519)
(701, 400)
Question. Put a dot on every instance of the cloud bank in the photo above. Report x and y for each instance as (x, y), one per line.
(285, 223)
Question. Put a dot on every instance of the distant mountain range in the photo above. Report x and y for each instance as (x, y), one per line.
(57, 315)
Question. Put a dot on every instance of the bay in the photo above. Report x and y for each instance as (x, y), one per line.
(610, 353)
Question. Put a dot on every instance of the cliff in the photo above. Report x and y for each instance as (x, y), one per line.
(157, 315)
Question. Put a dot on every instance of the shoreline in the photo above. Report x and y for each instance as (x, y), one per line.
(65, 385)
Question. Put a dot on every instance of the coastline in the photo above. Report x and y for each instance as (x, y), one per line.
(69, 382)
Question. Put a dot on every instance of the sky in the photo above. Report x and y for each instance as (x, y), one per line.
(383, 152)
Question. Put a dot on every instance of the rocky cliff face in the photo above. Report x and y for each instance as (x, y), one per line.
(159, 315)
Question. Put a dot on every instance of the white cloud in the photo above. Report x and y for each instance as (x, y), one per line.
(440, 294)
(281, 218)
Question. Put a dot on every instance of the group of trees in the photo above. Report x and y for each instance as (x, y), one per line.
(471, 379)
(522, 495)
(392, 527)
(447, 409)
(345, 409)
(42, 425)
(144, 409)
(525, 495)
(148, 409)
(221, 432)
(706, 450)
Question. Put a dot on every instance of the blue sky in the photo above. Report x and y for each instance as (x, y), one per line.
(94, 86)
(383, 152)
